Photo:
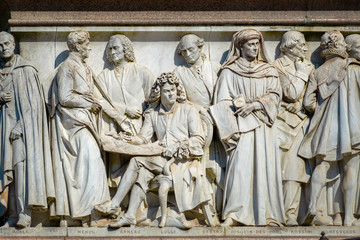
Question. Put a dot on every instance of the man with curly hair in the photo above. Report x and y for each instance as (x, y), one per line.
(176, 125)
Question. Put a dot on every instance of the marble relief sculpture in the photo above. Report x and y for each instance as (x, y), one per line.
(334, 134)
(127, 85)
(294, 71)
(248, 98)
(176, 126)
(199, 77)
(286, 148)
(25, 158)
(79, 171)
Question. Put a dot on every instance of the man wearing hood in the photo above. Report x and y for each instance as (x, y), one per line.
(248, 97)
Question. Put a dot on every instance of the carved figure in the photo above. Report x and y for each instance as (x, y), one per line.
(334, 132)
(176, 125)
(353, 46)
(128, 87)
(248, 97)
(25, 151)
(80, 176)
(294, 71)
(199, 77)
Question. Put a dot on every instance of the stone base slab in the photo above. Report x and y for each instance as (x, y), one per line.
(174, 233)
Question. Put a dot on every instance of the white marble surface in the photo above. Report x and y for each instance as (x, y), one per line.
(154, 46)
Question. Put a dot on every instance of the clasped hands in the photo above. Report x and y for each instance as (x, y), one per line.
(243, 108)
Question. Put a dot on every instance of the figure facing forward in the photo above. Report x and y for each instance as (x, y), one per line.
(248, 97)
(25, 158)
(294, 72)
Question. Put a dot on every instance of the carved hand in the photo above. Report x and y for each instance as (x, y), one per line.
(246, 109)
(16, 133)
(302, 67)
(294, 107)
(170, 150)
(5, 97)
(95, 107)
(133, 112)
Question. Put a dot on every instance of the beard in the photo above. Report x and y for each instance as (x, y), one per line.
(331, 52)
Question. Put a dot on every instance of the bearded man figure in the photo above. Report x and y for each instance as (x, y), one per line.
(334, 133)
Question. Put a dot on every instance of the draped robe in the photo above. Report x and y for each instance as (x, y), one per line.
(253, 185)
(26, 111)
(80, 176)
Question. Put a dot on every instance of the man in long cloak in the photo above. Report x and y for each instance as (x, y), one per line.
(25, 158)
(334, 133)
(79, 171)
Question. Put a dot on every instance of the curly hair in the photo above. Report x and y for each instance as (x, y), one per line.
(126, 44)
(77, 37)
(190, 38)
(289, 40)
(171, 79)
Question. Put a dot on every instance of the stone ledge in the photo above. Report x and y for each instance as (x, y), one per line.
(146, 18)
(171, 233)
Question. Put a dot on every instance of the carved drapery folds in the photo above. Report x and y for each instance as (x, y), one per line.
(249, 142)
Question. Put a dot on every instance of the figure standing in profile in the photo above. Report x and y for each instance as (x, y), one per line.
(248, 97)
(333, 139)
(80, 176)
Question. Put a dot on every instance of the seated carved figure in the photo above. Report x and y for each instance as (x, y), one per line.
(176, 124)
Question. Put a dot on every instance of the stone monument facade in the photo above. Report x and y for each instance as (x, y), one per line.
(109, 124)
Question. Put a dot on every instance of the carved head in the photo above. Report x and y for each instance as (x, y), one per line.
(79, 41)
(353, 46)
(190, 48)
(7, 46)
(164, 89)
(293, 45)
(247, 43)
(119, 48)
(333, 44)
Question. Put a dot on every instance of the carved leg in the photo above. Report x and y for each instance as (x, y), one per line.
(136, 197)
(318, 181)
(163, 193)
(292, 194)
(127, 181)
(349, 187)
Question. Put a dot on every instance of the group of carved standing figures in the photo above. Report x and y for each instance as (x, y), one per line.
(249, 142)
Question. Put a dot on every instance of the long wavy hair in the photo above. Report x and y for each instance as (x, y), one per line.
(171, 79)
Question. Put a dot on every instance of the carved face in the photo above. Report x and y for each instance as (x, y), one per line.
(332, 45)
(115, 51)
(168, 94)
(7, 47)
(355, 50)
(84, 48)
(190, 52)
(299, 50)
(250, 49)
